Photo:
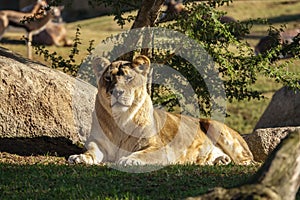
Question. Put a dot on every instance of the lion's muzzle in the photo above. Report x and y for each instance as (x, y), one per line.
(117, 92)
(120, 97)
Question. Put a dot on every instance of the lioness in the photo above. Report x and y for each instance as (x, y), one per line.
(128, 130)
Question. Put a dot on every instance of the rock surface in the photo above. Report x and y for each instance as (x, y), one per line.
(41, 104)
(283, 110)
(263, 141)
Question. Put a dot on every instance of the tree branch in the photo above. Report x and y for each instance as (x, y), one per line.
(148, 13)
(146, 17)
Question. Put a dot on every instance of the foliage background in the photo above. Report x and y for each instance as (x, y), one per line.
(243, 113)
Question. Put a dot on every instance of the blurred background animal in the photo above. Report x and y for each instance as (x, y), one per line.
(274, 39)
(33, 21)
(54, 33)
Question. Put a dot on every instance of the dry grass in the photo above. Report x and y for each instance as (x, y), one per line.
(31, 160)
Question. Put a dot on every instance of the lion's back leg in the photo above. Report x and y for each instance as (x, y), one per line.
(228, 140)
(203, 152)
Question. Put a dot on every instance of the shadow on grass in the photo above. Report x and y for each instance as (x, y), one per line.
(102, 182)
(284, 19)
(5, 40)
(281, 19)
(58, 146)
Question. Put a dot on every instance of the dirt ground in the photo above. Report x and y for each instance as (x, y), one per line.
(43, 150)
(31, 160)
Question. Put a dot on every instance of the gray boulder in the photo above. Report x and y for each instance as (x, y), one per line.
(280, 117)
(283, 110)
(263, 141)
(42, 109)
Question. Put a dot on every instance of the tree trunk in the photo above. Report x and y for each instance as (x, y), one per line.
(146, 17)
(148, 13)
(278, 178)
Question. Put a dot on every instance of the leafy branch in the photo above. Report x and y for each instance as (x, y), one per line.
(69, 64)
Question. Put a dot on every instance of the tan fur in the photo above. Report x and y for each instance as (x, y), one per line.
(127, 129)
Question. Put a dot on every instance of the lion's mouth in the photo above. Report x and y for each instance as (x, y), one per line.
(122, 102)
(117, 103)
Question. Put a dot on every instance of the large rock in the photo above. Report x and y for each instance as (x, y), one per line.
(41, 105)
(263, 141)
(283, 110)
(281, 116)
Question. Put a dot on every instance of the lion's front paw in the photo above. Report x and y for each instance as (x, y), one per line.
(222, 160)
(127, 161)
(81, 158)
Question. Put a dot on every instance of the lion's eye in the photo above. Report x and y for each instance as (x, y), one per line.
(129, 78)
(107, 78)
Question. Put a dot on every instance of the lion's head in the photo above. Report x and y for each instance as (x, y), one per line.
(123, 84)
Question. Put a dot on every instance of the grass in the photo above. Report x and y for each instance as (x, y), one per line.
(100, 182)
(43, 180)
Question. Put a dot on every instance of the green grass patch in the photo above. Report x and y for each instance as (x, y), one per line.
(100, 182)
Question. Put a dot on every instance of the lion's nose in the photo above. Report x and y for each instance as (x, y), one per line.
(118, 92)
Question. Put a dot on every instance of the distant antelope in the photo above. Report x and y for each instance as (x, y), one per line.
(54, 33)
(34, 8)
(14, 18)
(267, 42)
(174, 8)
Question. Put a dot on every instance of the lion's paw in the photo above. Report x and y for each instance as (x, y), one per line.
(80, 159)
(222, 160)
(127, 161)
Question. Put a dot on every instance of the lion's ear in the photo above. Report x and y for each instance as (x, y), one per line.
(141, 64)
(99, 64)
